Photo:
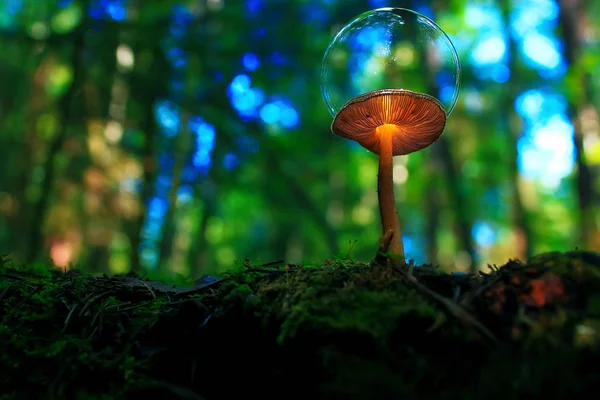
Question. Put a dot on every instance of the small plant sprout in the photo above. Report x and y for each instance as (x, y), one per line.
(375, 88)
(351, 245)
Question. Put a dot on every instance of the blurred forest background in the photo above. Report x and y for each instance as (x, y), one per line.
(185, 136)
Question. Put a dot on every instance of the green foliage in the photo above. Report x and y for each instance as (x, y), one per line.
(302, 195)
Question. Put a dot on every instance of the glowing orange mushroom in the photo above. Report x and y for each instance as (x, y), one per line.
(391, 122)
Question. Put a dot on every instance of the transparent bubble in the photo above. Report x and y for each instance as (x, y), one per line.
(390, 48)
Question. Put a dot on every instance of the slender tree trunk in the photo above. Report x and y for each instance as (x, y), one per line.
(40, 208)
(199, 254)
(457, 196)
(432, 213)
(519, 215)
(181, 147)
(571, 13)
(459, 201)
(149, 166)
(147, 87)
(18, 91)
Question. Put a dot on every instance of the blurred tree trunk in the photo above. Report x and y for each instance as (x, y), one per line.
(572, 14)
(180, 150)
(149, 166)
(18, 93)
(208, 189)
(147, 85)
(200, 253)
(432, 212)
(41, 206)
(459, 201)
(512, 124)
(457, 196)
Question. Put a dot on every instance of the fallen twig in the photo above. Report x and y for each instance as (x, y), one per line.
(451, 308)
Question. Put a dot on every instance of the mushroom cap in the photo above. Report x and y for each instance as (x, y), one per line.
(420, 119)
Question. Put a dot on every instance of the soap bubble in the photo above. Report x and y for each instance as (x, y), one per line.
(390, 48)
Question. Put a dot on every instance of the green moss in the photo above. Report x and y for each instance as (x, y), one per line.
(342, 330)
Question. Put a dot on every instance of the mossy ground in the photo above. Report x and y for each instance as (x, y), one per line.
(344, 330)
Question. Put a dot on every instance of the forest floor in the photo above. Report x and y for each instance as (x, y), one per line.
(343, 330)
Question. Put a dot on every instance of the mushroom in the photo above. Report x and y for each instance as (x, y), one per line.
(391, 122)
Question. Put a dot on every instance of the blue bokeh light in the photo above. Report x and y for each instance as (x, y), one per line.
(546, 150)
(116, 10)
(497, 72)
(489, 50)
(269, 113)
(152, 230)
(250, 61)
(163, 181)
(185, 194)
(243, 98)
(533, 23)
(538, 105)
(378, 3)
(289, 117)
(529, 104)
(205, 134)
(175, 53)
(530, 15)
(489, 53)
(422, 7)
(201, 159)
(414, 248)
(484, 17)
(157, 207)
(249, 102)
(113, 9)
(181, 14)
(168, 118)
(240, 83)
(280, 111)
(446, 93)
(204, 131)
(500, 73)
(483, 234)
(314, 13)
(368, 35)
(230, 161)
(541, 50)
(254, 6)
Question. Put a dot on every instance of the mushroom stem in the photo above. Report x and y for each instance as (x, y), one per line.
(385, 189)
